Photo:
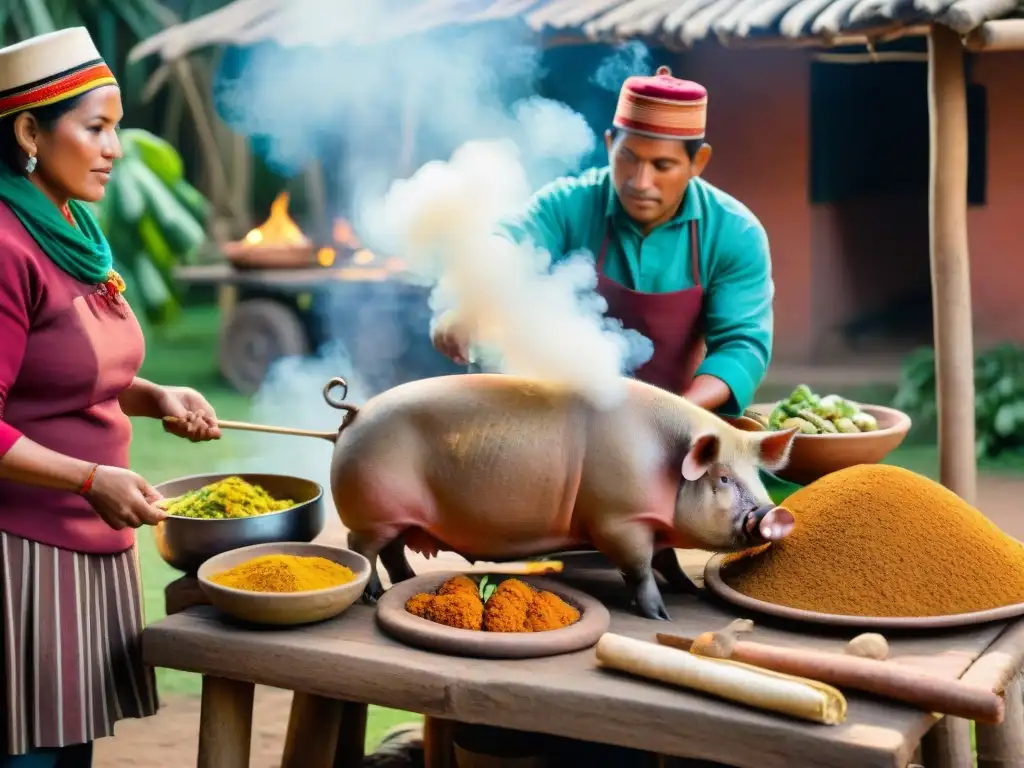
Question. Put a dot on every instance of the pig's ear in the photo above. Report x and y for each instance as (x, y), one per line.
(773, 448)
(701, 456)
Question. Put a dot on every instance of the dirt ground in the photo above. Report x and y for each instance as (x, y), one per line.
(170, 740)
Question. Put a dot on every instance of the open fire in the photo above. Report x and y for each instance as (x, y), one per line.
(281, 230)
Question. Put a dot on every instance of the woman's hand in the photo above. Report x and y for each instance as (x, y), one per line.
(123, 499)
(195, 418)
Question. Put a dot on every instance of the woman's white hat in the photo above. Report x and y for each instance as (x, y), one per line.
(50, 68)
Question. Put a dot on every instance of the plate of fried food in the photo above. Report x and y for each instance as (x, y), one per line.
(495, 616)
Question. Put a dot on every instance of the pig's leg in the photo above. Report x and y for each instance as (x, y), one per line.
(666, 563)
(631, 547)
(395, 562)
(369, 548)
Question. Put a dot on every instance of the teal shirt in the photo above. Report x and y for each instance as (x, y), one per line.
(573, 214)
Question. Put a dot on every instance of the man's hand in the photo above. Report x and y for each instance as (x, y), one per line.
(194, 418)
(708, 392)
(451, 339)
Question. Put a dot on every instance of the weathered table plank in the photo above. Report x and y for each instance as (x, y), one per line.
(350, 659)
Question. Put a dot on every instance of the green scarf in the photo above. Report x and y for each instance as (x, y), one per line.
(82, 251)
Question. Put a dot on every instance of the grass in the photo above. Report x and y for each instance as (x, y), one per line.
(186, 354)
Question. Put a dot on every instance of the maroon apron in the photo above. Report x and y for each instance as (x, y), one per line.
(672, 321)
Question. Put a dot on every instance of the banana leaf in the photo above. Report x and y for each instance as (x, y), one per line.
(156, 154)
(38, 15)
(180, 229)
(192, 199)
(127, 197)
(158, 249)
(158, 301)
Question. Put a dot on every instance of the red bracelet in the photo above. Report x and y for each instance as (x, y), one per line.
(88, 481)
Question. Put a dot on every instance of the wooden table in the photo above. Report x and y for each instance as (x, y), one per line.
(348, 659)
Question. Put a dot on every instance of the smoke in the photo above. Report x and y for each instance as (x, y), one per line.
(463, 108)
(527, 317)
(628, 59)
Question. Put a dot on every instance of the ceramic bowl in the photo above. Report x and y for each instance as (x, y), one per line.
(286, 608)
(814, 456)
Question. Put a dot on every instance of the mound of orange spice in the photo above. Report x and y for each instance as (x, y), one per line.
(878, 540)
(514, 606)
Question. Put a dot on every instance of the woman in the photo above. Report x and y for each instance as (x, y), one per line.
(70, 349)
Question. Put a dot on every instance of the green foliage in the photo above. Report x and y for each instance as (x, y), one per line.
(154, 220)
(487, 588)
(998, 397)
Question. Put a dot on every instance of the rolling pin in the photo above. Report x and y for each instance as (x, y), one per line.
(931, 693)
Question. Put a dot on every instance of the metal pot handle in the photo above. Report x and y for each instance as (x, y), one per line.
(338, 403)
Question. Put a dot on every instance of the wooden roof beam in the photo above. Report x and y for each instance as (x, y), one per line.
(997, 35)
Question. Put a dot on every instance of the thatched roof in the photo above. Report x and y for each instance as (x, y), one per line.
(672, 23)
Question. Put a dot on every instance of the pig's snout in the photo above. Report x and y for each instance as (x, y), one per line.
(768, 524)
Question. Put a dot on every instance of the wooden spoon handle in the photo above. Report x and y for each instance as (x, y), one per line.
(247, 427)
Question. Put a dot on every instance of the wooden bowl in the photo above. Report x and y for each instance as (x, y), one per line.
(284, 609)
(245, 256)
(715, 582)
(814, 456)
(414, 630)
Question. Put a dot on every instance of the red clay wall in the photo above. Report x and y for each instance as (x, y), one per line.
(997, 229)
(758, 96)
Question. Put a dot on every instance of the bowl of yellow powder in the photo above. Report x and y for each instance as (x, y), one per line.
(284, 583)
(214, 513)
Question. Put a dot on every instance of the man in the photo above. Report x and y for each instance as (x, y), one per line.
(678, 260)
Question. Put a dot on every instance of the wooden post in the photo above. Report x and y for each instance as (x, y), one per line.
(324, 733)
(948, 743)
(1002, 746)
(183, 593)
(352, 736)
(225, 723)
(438, 750)
(951, 281)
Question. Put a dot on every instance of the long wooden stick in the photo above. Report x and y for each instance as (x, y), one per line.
(247, 427)
(884, 678)
(950, 263)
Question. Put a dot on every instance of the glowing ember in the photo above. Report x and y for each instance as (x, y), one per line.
(325, 257)
(343, 234)
(279, 228)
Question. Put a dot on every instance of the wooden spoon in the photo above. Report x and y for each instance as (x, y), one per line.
(247, 427)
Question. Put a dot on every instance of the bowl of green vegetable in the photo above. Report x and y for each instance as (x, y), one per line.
(834, 433)
(215, 513)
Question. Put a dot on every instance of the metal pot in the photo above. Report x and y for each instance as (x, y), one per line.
(186, 543)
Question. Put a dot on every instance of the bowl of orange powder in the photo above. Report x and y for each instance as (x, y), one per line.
(285, 584)
(493, 616)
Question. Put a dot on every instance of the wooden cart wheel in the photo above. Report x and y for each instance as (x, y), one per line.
(259, 332)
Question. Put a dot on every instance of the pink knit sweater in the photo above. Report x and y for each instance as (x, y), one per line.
(65, 356)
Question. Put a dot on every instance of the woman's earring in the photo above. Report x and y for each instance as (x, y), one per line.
(30, 166)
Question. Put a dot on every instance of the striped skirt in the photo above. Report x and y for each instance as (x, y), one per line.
(72, 652)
